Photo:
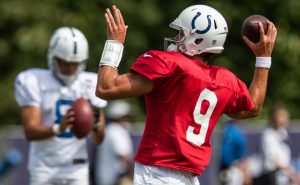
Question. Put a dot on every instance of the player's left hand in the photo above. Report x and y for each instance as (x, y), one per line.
(116, 28)
(264, 47)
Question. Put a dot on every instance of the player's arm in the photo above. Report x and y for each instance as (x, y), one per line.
(128, 164)
(257, 92)
(262, 50)
(110, 84)
(32, 122)
(99, 128)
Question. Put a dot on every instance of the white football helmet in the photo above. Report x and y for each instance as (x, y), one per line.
(118, 108)
(201, 29)
(70, 45)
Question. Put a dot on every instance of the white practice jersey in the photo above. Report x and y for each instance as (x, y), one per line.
(62, 156)
(275, 150)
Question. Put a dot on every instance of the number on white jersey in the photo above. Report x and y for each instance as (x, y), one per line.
(60, 109)
(202, 119)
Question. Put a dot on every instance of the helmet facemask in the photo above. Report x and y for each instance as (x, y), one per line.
(67, 79)
(175, 44)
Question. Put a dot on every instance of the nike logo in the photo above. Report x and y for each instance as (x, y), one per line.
(147, 55)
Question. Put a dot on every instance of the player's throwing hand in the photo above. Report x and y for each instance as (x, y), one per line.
(116, 28)
(264, 47)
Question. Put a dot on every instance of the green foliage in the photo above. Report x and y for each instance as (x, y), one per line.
(26, 27)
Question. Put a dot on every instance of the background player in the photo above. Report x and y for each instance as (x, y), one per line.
(233, 161)
(275, 150)
(114, 158)
(184, 95)
(44, 96)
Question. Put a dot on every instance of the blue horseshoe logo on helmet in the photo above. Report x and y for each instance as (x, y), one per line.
(206, 29)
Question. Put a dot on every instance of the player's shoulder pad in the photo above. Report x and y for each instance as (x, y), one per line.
(223, 71)
(87, 74)
(160, 54)
(228, 78)
(87, 81)
(31, 74)
(88, 78)
(165, 56)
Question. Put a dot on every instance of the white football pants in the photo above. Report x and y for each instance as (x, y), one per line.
(156, 175)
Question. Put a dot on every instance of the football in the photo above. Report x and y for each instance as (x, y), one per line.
(250, 27)
(84, 117)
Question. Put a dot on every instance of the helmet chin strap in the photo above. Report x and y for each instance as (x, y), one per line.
(172, 47)
(178, 48)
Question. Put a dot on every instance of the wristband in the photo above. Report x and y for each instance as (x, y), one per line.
(56, 129)
(263, 62)
(112, 53)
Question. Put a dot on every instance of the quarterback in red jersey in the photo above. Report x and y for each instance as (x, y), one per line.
(185, 96)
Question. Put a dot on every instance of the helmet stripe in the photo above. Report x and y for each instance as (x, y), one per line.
(74, 41)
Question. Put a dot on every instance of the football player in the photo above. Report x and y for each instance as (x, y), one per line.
(114, 159)
(44, 96)
(275, 151)
(185, 96)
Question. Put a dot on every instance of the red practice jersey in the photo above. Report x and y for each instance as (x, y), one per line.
(187, 100)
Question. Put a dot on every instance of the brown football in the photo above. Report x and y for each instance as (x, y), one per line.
(250, 27)
(84, 117)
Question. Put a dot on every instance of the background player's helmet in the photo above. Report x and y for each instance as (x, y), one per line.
(201, 29)
(118, 108)
(70, 45)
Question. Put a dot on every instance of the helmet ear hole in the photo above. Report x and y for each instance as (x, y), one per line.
(198, 41)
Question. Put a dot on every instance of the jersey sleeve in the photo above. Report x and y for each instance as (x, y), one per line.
(153, 66)
(27, 92)
(97, 102)
(241, 100)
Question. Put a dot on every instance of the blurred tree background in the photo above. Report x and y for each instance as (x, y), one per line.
(26, 27)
